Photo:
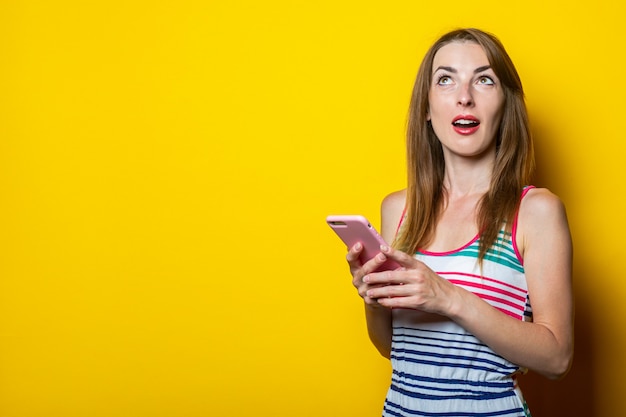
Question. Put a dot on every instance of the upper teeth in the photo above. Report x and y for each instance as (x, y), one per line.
(465, 121)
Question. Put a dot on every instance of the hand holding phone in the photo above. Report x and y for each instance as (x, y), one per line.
(355, 228)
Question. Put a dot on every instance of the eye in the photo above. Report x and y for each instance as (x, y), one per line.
(444, 80)
(485, 80)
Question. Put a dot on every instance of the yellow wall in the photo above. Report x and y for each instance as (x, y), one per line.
(165, 171)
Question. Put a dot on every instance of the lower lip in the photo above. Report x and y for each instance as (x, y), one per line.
(465, 130)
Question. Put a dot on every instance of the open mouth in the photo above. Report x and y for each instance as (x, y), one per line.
(465, 123)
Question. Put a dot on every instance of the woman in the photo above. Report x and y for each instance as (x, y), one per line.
(484, 292)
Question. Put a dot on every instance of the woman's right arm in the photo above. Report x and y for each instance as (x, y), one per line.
(378, 318)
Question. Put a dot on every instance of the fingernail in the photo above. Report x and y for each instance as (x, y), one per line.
(357, 246)
(384, 248)
(366, 278)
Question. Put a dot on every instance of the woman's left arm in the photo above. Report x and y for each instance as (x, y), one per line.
(544, 345)
(545, 243)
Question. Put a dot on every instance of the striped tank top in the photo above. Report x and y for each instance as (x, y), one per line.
(440, 369)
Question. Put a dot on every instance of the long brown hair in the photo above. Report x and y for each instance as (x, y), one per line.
(513, 166)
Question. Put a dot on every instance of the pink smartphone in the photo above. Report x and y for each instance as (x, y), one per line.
(355, 228)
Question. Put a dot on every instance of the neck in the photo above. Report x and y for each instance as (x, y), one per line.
(464, 178)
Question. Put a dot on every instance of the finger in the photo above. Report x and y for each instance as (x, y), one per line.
(392, 290)
(391, 302)
(353, 255)
(400, 257)
(374, 264)
(380, 279)
(373, 302)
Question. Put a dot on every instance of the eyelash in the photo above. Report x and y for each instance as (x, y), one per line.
(441, 77)
(480, 78)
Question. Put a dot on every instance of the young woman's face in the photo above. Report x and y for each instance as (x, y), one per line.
(466, 100)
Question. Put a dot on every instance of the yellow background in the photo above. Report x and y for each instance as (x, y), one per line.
(165, 171)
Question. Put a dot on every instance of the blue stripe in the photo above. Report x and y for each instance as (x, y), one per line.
(528, 311)
(486, 353)
(464, 335)
(472, 345)
(453, 365)
(484, 397)
(508, 384)
(455, 391)
(447, 344)
(405, 411)
(397, 355)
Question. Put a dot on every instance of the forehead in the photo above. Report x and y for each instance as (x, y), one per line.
(460, 54)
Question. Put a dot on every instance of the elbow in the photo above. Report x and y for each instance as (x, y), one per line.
(561, 370)
(557, 359)
(556, 374)
(559, 366)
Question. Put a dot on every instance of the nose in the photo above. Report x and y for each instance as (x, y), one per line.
(465, 98)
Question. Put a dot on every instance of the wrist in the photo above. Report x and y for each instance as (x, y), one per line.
(456, 303)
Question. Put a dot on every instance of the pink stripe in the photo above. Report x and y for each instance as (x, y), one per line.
(509, 313)
(504, 284)
(425, 252)
(401, 220)
(514, 229)
(500, 300)
(488, 288)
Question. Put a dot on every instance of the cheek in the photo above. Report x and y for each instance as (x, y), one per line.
(434, 109)
(437, 115)
(438, 127)
(499, 111)
(498, 116)
(441, 101)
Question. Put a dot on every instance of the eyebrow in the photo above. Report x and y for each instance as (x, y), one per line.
(454, 71)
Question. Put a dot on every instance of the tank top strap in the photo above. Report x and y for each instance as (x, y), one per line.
(401, 221)
(525, 190)
(514, 227)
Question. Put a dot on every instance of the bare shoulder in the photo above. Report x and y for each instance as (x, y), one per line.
(540, 204)
(392, 208)
(394, 201)
(542, 217)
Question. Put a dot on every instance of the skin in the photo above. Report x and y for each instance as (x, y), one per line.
(460, 87)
